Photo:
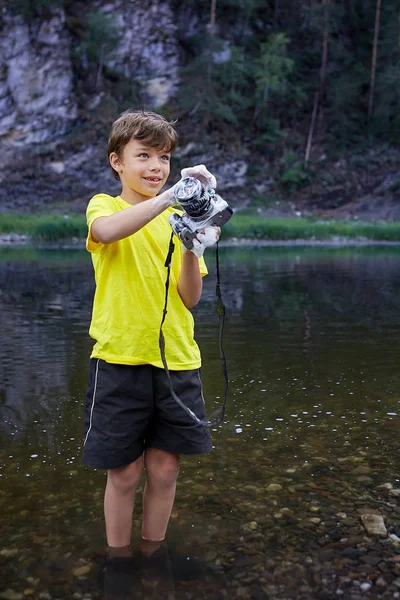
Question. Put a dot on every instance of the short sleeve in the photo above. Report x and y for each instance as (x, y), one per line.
(99, 206)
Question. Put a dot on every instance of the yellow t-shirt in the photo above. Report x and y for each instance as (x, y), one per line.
(130, 292)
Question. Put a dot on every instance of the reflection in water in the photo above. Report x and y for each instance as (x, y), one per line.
(310, 441)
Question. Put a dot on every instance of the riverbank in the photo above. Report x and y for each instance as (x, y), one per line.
(245, 228)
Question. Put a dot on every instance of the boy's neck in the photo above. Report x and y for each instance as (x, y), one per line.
(132, 197)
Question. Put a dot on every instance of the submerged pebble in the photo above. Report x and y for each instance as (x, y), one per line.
(9, 594)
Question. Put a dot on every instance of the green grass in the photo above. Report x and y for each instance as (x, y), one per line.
(256, 227)
(48, 228)
(58, 228)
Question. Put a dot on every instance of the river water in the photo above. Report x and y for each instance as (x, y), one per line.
(310, 443)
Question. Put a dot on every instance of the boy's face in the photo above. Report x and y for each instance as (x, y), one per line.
(143, 170)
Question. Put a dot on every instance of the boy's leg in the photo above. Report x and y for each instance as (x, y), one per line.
(173, 432)
(119, 499)
(118, 410)
(162, 469)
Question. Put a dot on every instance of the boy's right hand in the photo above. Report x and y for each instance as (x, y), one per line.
(201, 173)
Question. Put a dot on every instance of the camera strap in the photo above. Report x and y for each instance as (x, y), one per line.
(214, 420)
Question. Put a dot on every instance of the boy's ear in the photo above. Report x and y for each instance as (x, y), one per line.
(115, 162)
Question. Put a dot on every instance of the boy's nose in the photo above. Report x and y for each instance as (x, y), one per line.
(154, 165)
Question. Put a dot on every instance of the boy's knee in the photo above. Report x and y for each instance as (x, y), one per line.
(163, 471)
(125, 479)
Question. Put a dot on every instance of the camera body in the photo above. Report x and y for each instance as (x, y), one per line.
(202, 208)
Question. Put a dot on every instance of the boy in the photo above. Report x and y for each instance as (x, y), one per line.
(130, 417)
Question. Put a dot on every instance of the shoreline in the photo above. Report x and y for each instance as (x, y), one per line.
(22, 241)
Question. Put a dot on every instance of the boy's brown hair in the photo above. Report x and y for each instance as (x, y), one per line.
(146, 126)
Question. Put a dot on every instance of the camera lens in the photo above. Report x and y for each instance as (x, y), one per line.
(192, 196)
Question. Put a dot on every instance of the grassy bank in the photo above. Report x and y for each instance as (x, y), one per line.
(56, 228)
(255, 227)
(44, 228)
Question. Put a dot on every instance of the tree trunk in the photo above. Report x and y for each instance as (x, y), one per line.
(276, 14)
(212, 12)
(312, 126)
(319, 96)
(374, 55)
(259, 107)
(100, 68)
(211, 29)
(211, 25)
(324, 58)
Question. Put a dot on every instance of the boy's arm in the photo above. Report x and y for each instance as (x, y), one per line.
(124, 223)
(127, 222)
(190, 284)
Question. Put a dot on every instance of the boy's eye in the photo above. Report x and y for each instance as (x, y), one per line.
(143, 155)
(165, 157)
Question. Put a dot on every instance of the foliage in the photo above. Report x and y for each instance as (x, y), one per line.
(100, 32)
(212, 89)
(100, 37)
(30, 9)
(273, 68)
(295, 173)
(268, 83)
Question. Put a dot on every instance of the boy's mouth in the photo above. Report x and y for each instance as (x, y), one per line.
(153, 179)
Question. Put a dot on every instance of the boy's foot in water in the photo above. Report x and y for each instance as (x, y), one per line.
(167, 563)
(120, 576)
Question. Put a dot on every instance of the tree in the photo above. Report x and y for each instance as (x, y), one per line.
(212, 13)
(319, 96)
(31, 9)
(272, 71)
(374, 56)
(100, 37)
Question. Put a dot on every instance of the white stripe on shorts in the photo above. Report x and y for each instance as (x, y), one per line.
(94, 395)
(201, 386)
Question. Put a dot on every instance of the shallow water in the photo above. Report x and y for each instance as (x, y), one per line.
(312, 430)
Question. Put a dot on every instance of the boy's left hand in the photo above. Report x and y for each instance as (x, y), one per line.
(201, 173)
(208, 237)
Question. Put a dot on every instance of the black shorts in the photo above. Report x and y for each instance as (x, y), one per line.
(130, 408)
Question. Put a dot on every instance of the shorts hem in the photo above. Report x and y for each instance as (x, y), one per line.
(107, 464)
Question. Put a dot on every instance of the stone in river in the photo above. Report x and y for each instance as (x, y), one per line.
(374, 525)
(80, 571)
(361, 470)
(10, 595)
(274, 487)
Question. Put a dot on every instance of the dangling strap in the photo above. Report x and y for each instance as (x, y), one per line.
(221, 312)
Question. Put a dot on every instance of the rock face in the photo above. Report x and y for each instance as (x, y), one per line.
(37, 102)
(42, 64)
(37, 97)
(148, 50)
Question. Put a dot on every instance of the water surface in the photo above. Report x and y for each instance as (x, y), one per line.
(312, 429)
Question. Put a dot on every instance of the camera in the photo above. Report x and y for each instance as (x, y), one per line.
(202, 208)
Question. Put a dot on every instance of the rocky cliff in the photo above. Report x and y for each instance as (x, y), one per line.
(38, 99)
(54, 117)
(52, 150)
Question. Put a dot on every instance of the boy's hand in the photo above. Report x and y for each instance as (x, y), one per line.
(208, 237)
(201, 173)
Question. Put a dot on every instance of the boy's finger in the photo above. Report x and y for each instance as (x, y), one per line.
(201, 173)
